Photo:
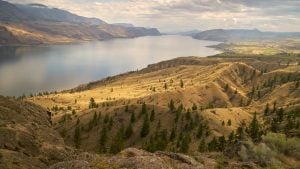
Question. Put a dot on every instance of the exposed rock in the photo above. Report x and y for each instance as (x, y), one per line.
(74, 164)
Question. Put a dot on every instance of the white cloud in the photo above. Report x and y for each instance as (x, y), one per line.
(170, 15)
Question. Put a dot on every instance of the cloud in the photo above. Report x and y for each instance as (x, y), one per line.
(172, 15)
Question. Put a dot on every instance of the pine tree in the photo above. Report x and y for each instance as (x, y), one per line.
(254, 129)
(181, 83)
(165, 86)
(103, 139)
(128, 131)
(132, 118)
(213, 145)
(200, 131)
(280, 114)
(184, 148)
(188, 115)
(152, 115)
(146, 127)
(226, 87)
(229, 122)
(173, 134)
(106, 119)
(117, 142)
(194, 107)
(77, 136)
(92, 103)
(221, 143)
(267, 110)
(231, 138)
(202, 146)
(144, 108)
(110, 123)
(171, 105)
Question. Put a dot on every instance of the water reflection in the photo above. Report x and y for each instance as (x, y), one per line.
(34, 69)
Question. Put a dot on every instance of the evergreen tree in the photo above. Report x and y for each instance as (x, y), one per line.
(280, 114)
(241, 102)
(106, 119)
(226, 87)
(152, 115)
(92, 103)
(231, 138)
(103, 139)
(202, 146)
(146, 127)
(194, 107)
(188, 115)
(110, 123)
(181, 83)
(229, 122)
(128, 131)
(165, 86)
(254, 129)
(144, 108)
(267, 110)
(118, 142)
(132, 118)
(77, 136)
(221, 143)
(126, 108)
(173, 134)
(200, 131)
(213, 145)
(184, 148)
(171, 105)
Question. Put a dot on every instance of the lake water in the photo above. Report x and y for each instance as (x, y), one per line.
(57, 67)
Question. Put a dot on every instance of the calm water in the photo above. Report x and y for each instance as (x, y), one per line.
(35, 69)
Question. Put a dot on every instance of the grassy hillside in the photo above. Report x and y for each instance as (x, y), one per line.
(184, 105)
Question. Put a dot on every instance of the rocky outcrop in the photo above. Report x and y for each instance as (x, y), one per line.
(131, 158)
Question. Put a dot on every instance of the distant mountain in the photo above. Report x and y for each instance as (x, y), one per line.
(124, 24)
(189, 33)
(38, 24)
(42, 12)
(241, 34)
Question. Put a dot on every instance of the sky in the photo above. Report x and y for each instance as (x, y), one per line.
(184, 15)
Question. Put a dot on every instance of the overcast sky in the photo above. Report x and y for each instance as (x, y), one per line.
(180, 15)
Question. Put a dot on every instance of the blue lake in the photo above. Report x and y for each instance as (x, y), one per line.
(57, 67)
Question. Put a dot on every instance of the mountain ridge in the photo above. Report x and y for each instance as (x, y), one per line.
(34, 25)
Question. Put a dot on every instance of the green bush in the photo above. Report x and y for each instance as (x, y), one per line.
(284, 145)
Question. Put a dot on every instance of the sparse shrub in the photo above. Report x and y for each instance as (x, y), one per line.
(260, 154)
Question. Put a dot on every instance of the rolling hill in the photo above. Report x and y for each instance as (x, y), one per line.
(181, 105)
(238, 35)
